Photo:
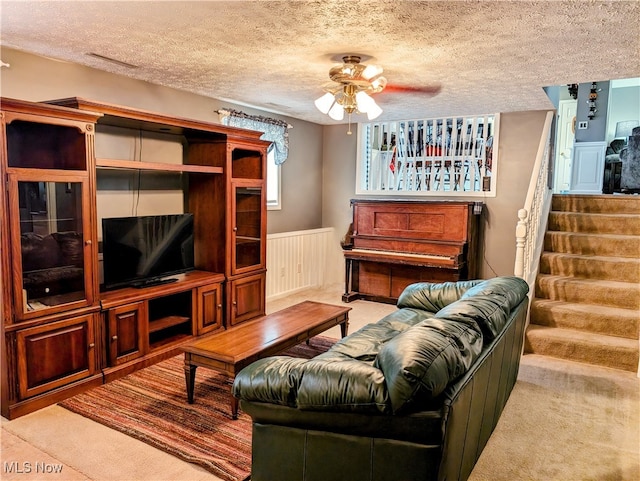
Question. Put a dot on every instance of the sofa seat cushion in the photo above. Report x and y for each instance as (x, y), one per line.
(419, 363)
(364, 344)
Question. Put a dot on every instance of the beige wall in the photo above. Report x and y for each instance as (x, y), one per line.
(519, 139)
(35, 78)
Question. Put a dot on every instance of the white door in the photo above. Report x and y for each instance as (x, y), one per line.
(564, 147)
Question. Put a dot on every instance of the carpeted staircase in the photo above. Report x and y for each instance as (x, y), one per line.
(587, 300)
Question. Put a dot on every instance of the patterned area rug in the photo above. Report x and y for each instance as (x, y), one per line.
(151, 405)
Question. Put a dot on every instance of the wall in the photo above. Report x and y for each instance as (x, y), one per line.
(597, 127)
(518, 145)
(36, 78)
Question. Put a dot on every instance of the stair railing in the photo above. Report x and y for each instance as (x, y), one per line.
(532, 222)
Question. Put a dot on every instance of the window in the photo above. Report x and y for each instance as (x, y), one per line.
(445, 157)
(273, 182)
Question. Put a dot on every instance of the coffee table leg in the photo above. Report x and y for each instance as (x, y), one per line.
(344, 327)
(190, 378)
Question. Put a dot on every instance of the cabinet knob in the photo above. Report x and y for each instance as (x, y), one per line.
(88, 242)
(92, 345)
(219, 306)
(234, 303)
(235, 229)
(114, 338)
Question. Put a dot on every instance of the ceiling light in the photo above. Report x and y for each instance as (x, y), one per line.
(336, 112)
(374, 111)
(325, 102)
(353, 84)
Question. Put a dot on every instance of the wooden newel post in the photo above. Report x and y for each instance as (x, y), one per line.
(521, 234)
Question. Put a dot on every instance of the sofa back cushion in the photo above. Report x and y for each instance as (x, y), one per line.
(489, 304)
(433, 297)
(420, 362)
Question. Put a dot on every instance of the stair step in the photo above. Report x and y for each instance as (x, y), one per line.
(623, 204)
(625, 224)
(626, 269)
(598, 349)
(611, 321)
(592, 244)
(625, 295)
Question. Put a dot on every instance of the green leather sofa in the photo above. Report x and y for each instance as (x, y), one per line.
(414, 396)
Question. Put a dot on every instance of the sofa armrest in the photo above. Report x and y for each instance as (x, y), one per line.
(325, 384)
(473, 404)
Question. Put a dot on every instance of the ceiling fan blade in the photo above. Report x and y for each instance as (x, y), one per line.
(427, 89)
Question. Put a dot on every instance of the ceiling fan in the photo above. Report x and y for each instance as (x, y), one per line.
(351, 88)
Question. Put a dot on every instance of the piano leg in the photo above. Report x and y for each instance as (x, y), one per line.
(349, 295)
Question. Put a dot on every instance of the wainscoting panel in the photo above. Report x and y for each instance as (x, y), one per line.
(297, 260)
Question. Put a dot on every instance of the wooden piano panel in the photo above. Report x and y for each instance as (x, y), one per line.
(375, 279)
(408, 220)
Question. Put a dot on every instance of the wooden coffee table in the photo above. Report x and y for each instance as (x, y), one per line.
(231, 350)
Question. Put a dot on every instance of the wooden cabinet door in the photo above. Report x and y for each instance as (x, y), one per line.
(248, 233)
(247, 298)
(209, 312)
(52, 242)
(126, 335)
(55, 354)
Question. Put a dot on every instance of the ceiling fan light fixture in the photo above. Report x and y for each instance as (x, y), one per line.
(324, 103)
(374, 111)
(364, 101)
(371, 71)
(350, 92)
(336, 112)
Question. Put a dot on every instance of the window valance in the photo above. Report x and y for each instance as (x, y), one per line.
(274, 130)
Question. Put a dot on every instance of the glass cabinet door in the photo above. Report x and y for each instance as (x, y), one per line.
(247, 238)
(50, 271)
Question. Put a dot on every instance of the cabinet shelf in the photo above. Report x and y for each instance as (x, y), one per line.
(166, 322)
(247, 239)
(166, 341)
(158, 166)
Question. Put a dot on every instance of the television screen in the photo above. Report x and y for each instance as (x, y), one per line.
(140, 251)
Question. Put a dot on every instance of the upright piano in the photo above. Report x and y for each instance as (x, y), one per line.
(398, 242)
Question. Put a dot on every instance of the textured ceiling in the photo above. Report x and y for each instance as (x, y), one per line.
(488, 56)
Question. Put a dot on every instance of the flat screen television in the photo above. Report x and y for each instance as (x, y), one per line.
(143, 251)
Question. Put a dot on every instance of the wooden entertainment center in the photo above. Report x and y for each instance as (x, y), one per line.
(61, 333)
